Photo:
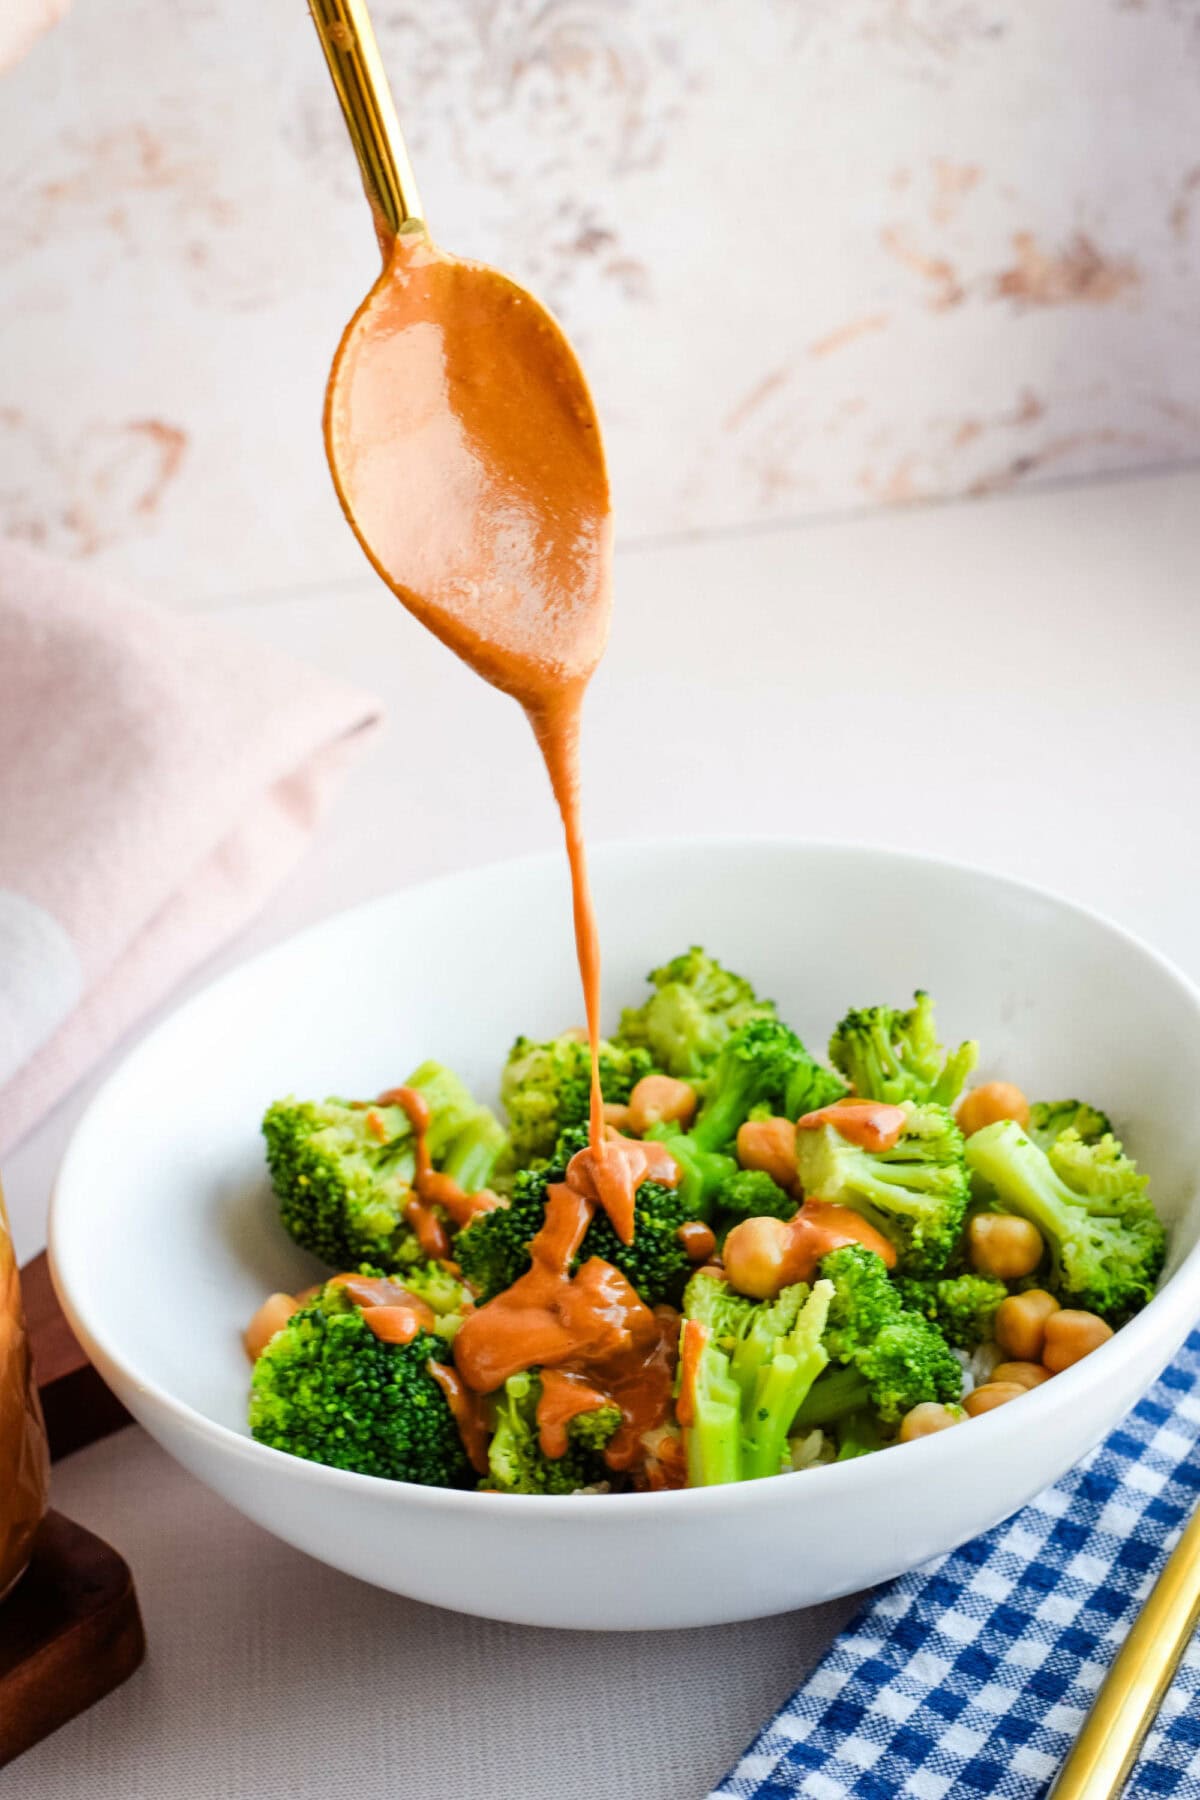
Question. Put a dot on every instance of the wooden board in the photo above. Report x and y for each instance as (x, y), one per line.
(78, 1407)
(70, 1632)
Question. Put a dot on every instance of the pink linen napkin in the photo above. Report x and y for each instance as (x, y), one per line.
(158, 776)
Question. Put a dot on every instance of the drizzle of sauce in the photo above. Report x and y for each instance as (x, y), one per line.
(468, 1415)
(564, 1397)
(614, 1177)
(821, 1227)
(431, 1189)
(698, 1239)
(372, 1291)
(465, 448)
(695, 1338)
(592, 1325)
(871, 1124)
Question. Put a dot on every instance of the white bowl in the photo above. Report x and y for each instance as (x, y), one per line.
(164, 1237)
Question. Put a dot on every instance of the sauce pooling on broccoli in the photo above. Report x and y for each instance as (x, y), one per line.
(589, 1333)
(871, 1124)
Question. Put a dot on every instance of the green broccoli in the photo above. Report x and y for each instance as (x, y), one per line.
(1048, 1119)
(343, 1171)
(898, 1357)
(754, 1068)
(493, 1249)
(327, 1389)
(963, 1307)
(752, 1194)
(516, 1461)
(894, 1056)
(756, 1361)
(695, 1006)
(1089, 1202)
(857, 1434)
(759, 1064)
(915, 1193)
(546, 1089)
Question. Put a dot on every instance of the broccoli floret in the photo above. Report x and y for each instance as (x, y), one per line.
(546, 1089)
(894, 1056)
(516, 1461)
(656, 1262)
(1048, 1119)
(755, 1066)
(1090, 1204)
(327, 1389)
(493, 1250)
(749, 1365)
(899, 1356)
(343, 1172)
(695, 1006)
(915, 1193)
(752, 1194)
(963, 1307)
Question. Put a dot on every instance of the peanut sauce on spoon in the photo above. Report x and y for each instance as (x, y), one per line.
(466, 452)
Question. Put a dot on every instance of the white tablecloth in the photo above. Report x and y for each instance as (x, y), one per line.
(1018, 680)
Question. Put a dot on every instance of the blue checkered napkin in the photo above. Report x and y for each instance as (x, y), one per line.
(973, 1675)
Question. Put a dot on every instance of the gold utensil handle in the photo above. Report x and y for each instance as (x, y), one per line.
(1132, 1691)
(348, 40)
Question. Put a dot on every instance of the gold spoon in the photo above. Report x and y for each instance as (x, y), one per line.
(460, 432)
(1104, 1752)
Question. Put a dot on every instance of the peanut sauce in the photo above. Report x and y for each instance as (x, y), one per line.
(821, 1227)
(431, 1189)
(468, 1415)
(564, 1397)
(466, 451)
(371, 1291)
(695, 1340)
(613, 1179)
(592, 1325)
(871, 1124)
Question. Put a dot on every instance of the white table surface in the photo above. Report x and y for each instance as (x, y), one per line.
(1012, 682)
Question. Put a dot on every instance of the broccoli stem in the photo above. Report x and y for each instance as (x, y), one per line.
(475, 1151)
(838, 1392)
(713, 1438)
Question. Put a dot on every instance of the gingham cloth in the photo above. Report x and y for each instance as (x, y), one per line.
(973, 1674)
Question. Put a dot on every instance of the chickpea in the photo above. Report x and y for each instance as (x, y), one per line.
(924, 1420)
(1025, 1374)
(661, 1100)
(989, 1102)
(1070, 1336)
(616, 1115)
(271, 1317)
(1004, 1246)
(1020, 1327)
(755, 1256)
(991, 1395)
(770, 1145)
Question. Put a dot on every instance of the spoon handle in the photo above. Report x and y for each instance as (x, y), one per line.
(1104, 1752)
(348, 40)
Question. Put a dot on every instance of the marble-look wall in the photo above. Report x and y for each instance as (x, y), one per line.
(816, 254)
